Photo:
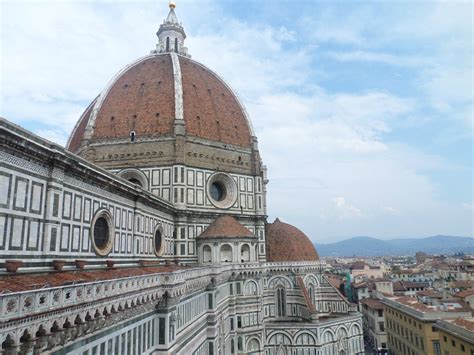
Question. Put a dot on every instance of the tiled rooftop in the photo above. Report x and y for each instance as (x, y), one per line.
(287, 243)
(225, 226)
(372, 303)
(24, 282)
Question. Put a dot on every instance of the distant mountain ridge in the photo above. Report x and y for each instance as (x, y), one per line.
(368, 246)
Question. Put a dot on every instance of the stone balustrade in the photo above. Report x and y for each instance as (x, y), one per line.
(27, 303)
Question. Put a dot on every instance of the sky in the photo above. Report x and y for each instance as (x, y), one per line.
(363, 110)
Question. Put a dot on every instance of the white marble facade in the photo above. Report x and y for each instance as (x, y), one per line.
(49, 198)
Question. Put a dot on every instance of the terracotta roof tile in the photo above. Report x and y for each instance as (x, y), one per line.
(142, 99)
(211, 110)
(465, 293)
(358, 265)
(136, 98)
(335, 281)
(285, 242)
(415, 304)
(24, 282)
(372, 303)
(467, 324)
(226, 226)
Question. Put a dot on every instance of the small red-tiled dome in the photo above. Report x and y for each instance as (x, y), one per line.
(148, 95)
(226, 226)
(285, 242)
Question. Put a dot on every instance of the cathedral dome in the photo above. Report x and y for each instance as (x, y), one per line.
(162, 95)
(147, 96)
(287, 243)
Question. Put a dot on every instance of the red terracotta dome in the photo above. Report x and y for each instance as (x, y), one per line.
(147, 96)
(285, 242)
(226, 226)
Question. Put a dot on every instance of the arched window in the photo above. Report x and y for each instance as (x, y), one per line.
(253, 346)
(250, 288)
(133, 136)
(135, 176)
(176, 45)
(167, 43)
(281, 302)
(226, 253)
(232, 349)
(240, 346)
(311, 292)
(206, 254)
(245, 253)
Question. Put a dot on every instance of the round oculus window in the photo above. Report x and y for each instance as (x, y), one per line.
(102, 232)
(158, 241)
(222, 190)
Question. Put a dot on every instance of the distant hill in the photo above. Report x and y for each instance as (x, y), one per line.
(367, 246)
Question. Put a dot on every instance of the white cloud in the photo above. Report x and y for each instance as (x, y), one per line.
(346, 210)
(327, 150)
(378, 57)
(390, 209)
(468, 206)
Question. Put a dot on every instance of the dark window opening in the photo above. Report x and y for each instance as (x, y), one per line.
(167, 43)
(158, 241)
(132, 136)
(240, 344)
(176, 45)
(135, 181)
(217, 191)
(209, 301)
(101, 233)
(281, 302)
(161, 330)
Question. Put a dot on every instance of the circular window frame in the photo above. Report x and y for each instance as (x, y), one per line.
(103, 213)
(160, 252)
(230, 190)
(131, 173)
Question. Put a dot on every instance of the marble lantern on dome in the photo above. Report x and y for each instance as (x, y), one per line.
(148, 233)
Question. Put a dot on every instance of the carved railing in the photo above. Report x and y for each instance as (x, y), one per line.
(27, 303)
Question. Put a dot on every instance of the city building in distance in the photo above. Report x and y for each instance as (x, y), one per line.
(148, 233)
(414, 327)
